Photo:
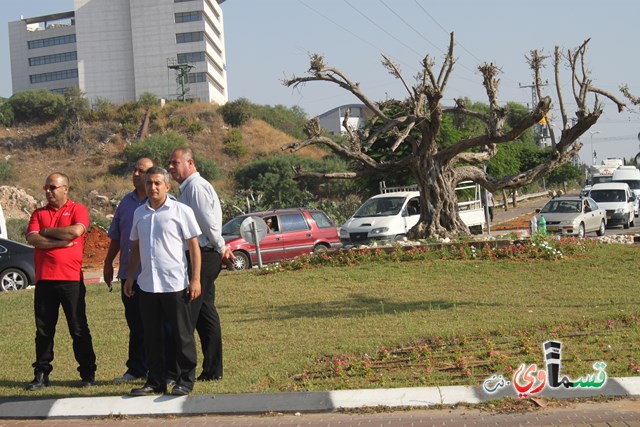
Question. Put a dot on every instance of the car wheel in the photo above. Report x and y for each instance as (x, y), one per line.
(581, 230)
(319, 248)
(600, 231)
(13, 279)
(399, 238)
(242, 261)
(627, 224)
(632, 223)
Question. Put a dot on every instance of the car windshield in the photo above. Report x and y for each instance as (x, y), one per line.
(384, 206)
(634, 184)
(601, 179)
(604, 196)
(232, 228)
(562, 206)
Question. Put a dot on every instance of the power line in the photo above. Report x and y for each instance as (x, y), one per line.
(410, 26)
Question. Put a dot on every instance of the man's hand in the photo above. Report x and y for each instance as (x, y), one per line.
(128, 288)
(194, 289)
(228, 258)
(107, 274)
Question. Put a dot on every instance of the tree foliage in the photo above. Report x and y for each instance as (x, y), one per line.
(36, 105)
(273, 178)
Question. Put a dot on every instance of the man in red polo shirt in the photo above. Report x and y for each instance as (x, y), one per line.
(57, 233)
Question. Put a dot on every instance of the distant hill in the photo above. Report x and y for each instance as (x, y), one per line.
(31, 155)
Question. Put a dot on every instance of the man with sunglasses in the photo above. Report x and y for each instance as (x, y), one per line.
(57, 233)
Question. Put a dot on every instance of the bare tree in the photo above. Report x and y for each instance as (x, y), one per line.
(437, 170)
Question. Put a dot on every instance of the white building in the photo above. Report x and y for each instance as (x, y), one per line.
(120, 49)
(333, 119)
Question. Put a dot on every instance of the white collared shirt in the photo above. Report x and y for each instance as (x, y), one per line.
(161, 234)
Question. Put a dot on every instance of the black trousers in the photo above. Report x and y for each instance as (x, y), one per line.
(136, 363)
(204, 314)
(172, 308)
(49, 296)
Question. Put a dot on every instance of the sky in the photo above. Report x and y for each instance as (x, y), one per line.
(268, 41)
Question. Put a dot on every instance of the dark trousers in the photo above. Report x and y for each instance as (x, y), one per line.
(204, 314)
(136, 363)
(49, 296)
(172, 308)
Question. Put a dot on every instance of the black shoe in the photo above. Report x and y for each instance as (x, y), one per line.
(204, 377)
(87, 382)
(170, 383)
(40, 380)
(180, 390)
(146, 390)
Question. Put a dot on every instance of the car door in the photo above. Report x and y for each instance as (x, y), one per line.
(592, 216)
(297, 235)
(271, 247)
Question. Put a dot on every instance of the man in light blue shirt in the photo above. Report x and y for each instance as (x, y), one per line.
(197, 193)
(160, 229)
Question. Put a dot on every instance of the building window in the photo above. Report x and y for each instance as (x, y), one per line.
(52, 41)
(181, 1)
(188, 16)
(61, 90)
(56, 75)
(52, 59)
(185, 58)
(190, 37)
(197, 77)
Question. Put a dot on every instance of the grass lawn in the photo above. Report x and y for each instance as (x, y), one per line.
(391, 324)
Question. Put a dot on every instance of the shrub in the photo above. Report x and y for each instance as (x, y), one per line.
(6, 172)
(38, 105)
(148, 99)
(156, 147)
(237, 113)
(208, 169)
(6, 115)
(17, 228)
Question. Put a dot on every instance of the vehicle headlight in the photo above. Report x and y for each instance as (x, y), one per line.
(343, 232)
(569, 222)
(620, 210)
(379, 230)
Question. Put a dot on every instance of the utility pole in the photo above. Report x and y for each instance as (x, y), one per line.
(182, 78)
(540, 131)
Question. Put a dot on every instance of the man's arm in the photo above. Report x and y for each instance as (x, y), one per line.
(39, 241)
(134, 260)
(107, 268)
(68, 233)
(196, 261)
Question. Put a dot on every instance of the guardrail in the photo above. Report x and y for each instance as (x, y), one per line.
(521, 197)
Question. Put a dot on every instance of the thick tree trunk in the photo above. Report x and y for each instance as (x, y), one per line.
(438, 202)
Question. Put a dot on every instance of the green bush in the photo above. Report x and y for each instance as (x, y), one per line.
(208, 169)
(38, 105)
(237, 113)
(233, 144)
(6, 172)
(6, 115)
(156, 147)
(148, 99)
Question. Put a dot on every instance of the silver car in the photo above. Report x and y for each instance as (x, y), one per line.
(574, 215)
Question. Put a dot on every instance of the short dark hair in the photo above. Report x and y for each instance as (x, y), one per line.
(157, 170)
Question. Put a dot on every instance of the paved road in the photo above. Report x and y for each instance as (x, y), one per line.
(625, 412)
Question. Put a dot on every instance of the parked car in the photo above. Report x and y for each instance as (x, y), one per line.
(291, 232)
(16, 266)
(618, 200)
(574, 215)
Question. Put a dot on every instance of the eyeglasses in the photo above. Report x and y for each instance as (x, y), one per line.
(52, 188)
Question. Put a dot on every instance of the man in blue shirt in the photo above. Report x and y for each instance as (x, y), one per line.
(119, 232)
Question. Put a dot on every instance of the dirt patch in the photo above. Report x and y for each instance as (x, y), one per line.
(96, 244)
(521, 222)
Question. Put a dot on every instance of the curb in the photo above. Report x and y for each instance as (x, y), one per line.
(244, 404)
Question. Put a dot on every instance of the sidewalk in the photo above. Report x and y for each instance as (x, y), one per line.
(302, 402)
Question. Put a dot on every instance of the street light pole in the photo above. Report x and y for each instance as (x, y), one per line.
(593, 152)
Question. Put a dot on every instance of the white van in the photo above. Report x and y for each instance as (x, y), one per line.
(3, 225)
(390, 215)
(618, 200)
(629, 175)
